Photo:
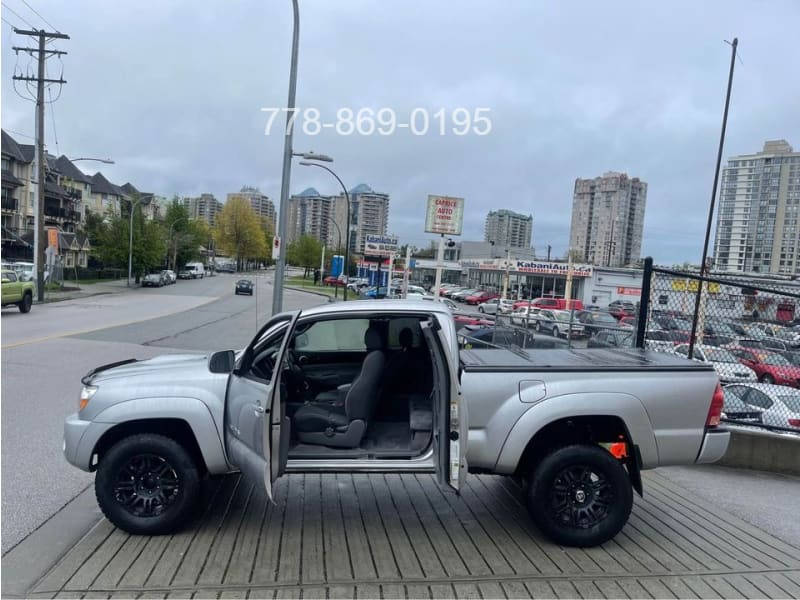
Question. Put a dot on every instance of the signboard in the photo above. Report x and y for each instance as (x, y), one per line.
(530, 267)
(52, 238)
(276, 247)
(683, 285)
(628, 291)
(380, 245)
(445, 215)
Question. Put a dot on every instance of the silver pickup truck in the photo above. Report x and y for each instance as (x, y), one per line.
(381, 386)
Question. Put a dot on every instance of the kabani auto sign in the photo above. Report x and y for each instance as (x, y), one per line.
(551, 268)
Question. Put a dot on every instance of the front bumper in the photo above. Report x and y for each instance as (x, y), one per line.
(80, 439)
(715, 445)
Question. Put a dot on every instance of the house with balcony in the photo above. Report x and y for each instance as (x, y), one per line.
(150, 208)
(17, 199)
(106, 198)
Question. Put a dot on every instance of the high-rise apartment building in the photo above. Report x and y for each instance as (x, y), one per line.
(759, 204)
(309, 213)
(205, 207)
(260, 203)
(369, 215)
(608, 219)
(508, 228)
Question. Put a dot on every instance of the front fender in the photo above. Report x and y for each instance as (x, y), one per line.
(625, 406)
(191, 410)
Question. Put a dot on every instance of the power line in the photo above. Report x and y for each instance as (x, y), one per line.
(7, 22)
(21, 18)
(41, 17)
(20, 133)
(53, 115)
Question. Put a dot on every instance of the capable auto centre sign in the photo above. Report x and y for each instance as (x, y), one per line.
(445, 215)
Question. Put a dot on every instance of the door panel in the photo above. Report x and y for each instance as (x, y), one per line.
(450, 425)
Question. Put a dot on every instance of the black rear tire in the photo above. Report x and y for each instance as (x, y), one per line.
(765, 378)
(580, 495)
(26, 303)
(147, 484)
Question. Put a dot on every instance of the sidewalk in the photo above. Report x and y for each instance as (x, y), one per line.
(85, 290)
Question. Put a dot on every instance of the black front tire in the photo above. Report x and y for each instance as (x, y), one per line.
(26, 303)
(147, 484)
(765, 378)
(580, 495)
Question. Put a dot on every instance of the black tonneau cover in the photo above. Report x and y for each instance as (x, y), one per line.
(504, 361)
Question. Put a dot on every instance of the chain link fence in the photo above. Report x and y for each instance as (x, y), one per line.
(748, 329)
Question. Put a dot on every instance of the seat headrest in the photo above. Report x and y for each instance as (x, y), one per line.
(372, 339)
(406, 337)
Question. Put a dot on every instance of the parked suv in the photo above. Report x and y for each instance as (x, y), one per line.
(17, 291)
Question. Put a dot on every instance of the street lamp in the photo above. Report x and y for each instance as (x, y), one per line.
(313, 156)
(280, 266)
(130, 240)
(106, 161)
(305, 163)
(174, 248)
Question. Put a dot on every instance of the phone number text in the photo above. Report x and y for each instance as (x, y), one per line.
(383, 121)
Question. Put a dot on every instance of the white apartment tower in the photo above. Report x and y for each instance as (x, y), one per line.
(369, 215)
(260, 203)
(509, 229)
(608, 219)
(757, 220)
(309, 213)
(205, 207)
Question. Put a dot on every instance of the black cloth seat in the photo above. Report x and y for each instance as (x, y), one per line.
(331, 424)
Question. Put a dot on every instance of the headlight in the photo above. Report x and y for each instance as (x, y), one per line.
(86, 394)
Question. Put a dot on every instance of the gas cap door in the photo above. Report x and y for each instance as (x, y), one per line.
(532, 390)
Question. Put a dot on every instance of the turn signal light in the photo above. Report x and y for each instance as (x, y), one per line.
(86, 394)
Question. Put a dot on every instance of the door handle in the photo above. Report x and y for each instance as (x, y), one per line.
(259, 409)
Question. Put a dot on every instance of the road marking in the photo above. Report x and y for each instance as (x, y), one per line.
(89, 330)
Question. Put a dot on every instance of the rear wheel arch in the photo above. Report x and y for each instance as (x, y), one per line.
(584, 429)
(176, 429)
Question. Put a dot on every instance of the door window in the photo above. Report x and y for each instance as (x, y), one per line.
(334, 335)
(12, 277)
(758, 398)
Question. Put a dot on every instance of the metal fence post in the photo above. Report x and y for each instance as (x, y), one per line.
(644, 304)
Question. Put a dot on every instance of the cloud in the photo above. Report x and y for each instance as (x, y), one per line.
(173, 92)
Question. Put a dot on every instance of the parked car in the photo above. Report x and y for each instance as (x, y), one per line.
(488, 336)
(779, 406)
(462, 295)
(494, 306)
(462, 319)
(332, 281)
(559, 322)
(733, 409)
(551, 303)
(770, 367)
(244, 286)
(24, 270)
(156, 279)
(480, 297)
(607, 338)
(595, 321)
(446, 301)
(17, 291)
(312, 378)
(170, 276)
(729, 368)
(789, 336)
(355, 284)
(620, 308)
(525, 315)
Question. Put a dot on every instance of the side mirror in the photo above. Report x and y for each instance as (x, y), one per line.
(222, 362)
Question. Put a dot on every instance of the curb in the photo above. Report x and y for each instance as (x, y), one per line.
(297, 289)
(34, 557)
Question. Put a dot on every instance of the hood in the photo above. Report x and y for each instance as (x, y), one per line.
(733, 370)
(151, 366)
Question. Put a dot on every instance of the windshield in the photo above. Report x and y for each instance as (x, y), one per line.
(776, 360)
(719, 355)
(603, 318)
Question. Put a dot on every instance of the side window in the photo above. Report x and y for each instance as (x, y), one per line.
(758, 398)
(12, 277)
(335, 335)
(397, 325)
(684, 351)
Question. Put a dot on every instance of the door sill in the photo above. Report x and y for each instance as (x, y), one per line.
(420, 464)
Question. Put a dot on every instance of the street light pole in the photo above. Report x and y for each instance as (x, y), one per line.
(280, 265)
(347, 232)
(130, 241)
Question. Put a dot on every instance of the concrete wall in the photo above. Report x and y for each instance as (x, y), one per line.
(763, 451)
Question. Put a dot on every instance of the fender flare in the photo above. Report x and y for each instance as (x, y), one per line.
(190, 410)
(628, 408)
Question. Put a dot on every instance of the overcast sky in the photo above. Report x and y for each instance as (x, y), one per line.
(173, 92)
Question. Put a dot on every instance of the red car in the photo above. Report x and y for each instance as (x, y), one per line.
(479, 297)
(334, 281)
(770, 367)
(550, 303)
(461, 320)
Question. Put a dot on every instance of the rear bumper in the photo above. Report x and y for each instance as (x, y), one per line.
(715, 444)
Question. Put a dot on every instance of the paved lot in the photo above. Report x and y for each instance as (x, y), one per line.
(399, 536)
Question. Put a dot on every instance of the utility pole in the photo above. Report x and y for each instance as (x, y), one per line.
(41, 54)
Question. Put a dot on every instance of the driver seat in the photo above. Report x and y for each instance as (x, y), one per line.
(343, 426)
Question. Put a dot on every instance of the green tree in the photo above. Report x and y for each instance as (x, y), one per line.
(306, 252)
(148, 242)
(239, 233)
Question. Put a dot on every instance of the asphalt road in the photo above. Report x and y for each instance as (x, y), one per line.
(45, 353)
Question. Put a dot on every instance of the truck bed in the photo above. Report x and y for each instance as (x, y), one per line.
(583, 360)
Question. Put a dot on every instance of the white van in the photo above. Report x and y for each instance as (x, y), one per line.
(195, 270)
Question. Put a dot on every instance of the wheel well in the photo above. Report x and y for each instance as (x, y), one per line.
(176, 429)
(594, 429)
